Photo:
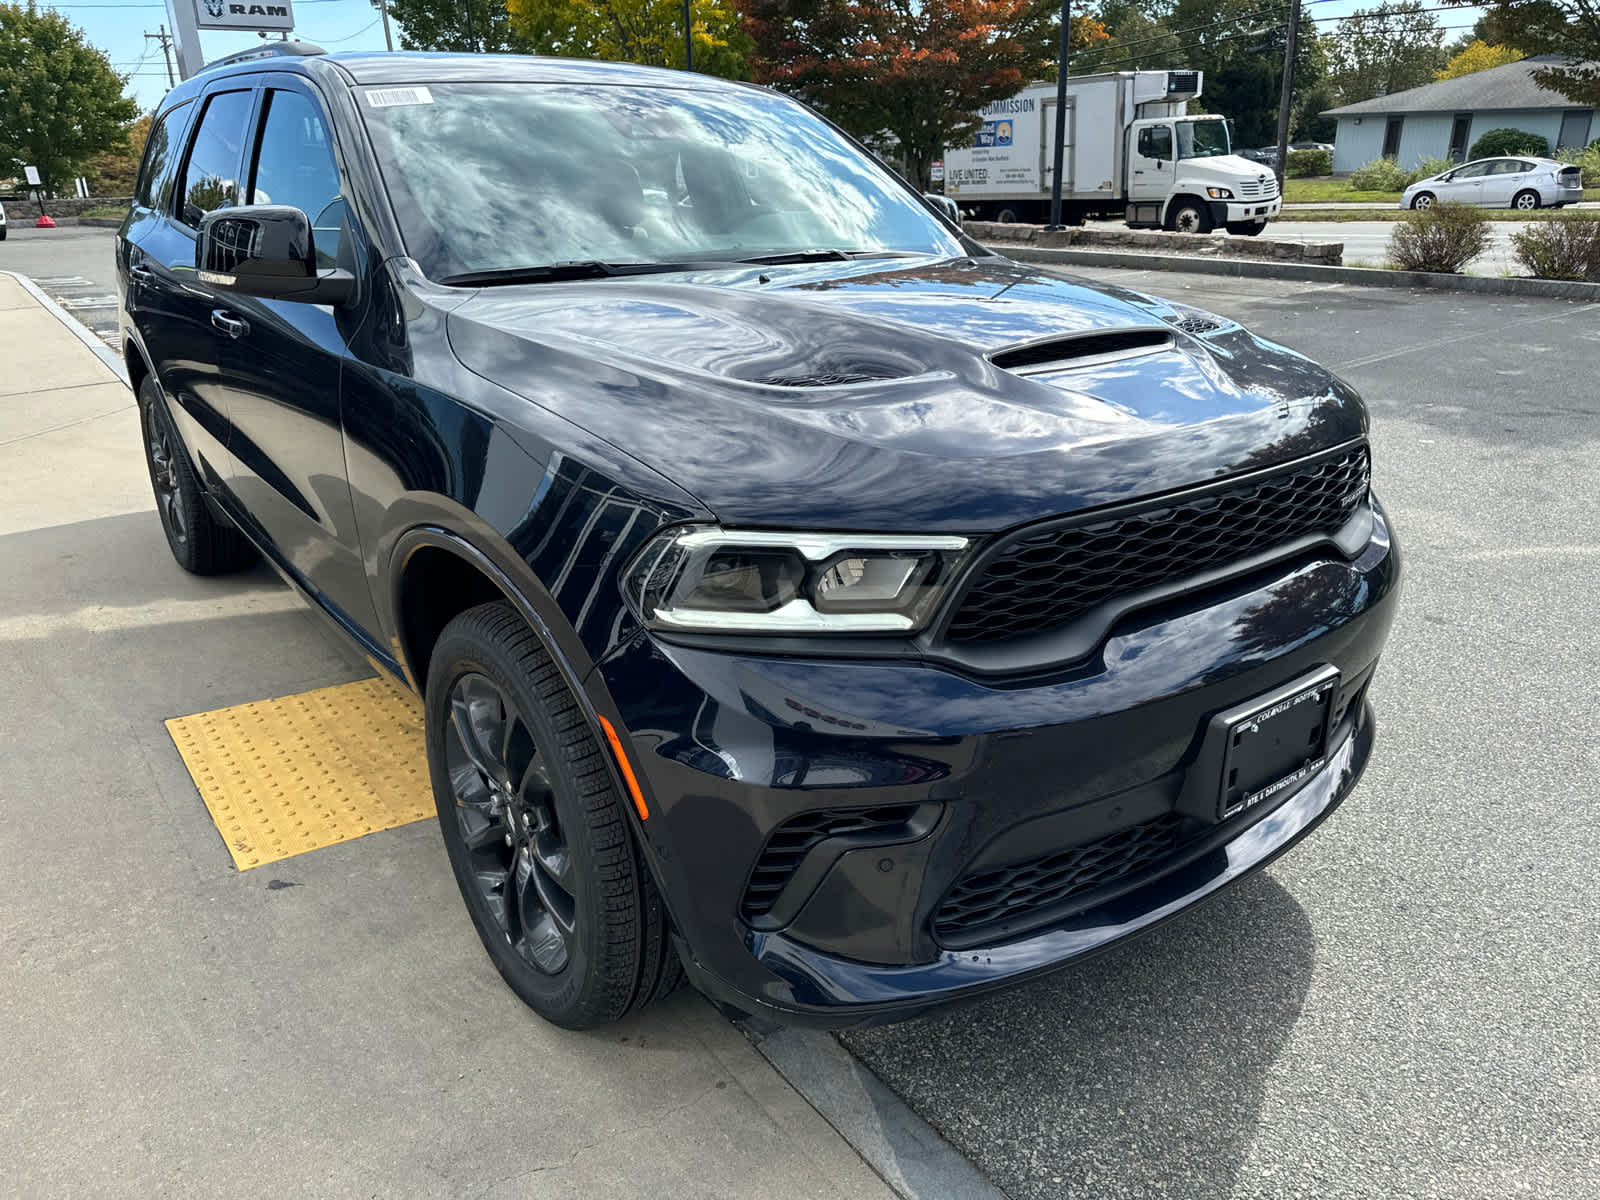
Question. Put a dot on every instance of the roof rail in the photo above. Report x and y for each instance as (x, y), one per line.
(268, 50)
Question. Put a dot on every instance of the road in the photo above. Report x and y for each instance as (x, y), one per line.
(1366, 243)
(1403, 1006)
(73, 265)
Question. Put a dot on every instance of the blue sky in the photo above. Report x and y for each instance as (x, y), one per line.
(118, 27)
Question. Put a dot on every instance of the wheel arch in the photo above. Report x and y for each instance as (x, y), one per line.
(137, 362)
(1178, 198)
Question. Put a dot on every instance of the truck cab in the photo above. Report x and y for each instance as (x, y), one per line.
(1183, 175)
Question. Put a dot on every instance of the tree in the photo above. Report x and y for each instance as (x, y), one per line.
(1567, 27)
(112, 172)
(1479, 56)
(1383, 50)
(60, 101)
(442, 25)
(649, 32)
(917, 70)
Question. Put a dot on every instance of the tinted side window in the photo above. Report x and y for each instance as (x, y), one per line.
(1156, 142)
(295, 166)
(210, 179)
(155, 176)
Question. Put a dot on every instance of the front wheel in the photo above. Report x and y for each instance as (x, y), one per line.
(1527, 201)
(1190, 216)
(1246, 228)
(536, 833)
(1422, 201)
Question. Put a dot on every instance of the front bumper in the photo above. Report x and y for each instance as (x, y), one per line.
(733, 747)
(1236, 211)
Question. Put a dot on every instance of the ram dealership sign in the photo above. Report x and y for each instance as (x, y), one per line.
(247, 15)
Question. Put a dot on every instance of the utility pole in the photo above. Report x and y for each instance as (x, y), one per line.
(165, 39)
(1291, 47)
(1061, 116)
(383, 7)
(688, 38)
(472, 42)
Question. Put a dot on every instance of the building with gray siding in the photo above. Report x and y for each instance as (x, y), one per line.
(1442, 120)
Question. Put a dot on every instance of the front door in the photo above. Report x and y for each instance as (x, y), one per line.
(1504, 179)
(1151, 168)
(287, 448)
(1465, 185)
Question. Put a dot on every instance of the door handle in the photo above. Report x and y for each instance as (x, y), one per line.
(142, 275)
(225, 322)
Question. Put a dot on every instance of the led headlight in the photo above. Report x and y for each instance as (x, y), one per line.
(1219, 193)
(701, 578)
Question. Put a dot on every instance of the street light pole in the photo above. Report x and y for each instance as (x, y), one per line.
(688, 38)
(388, 41)
(1061, 116)
(1291, 46)
(472, 42)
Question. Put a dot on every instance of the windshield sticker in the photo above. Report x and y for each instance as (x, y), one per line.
(390, 97)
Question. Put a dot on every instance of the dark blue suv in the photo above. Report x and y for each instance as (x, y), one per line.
(801, 596)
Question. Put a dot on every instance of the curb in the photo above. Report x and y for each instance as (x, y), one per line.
(905, 1151)
(102, 351)
(1554, 289)
(100, 222)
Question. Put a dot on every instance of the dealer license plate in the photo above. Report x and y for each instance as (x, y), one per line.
(1277, 745)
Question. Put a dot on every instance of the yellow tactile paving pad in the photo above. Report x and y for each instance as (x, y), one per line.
(285, 776)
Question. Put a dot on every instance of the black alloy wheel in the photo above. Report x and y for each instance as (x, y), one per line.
(537, 834)
(505, 813)
(201, 542)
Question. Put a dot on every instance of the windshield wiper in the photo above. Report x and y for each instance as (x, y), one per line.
(589, 268)
(805, 256)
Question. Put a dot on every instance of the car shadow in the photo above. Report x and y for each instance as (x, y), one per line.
(1139, 1073)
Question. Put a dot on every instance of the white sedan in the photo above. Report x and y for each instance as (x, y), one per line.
(1525, 183)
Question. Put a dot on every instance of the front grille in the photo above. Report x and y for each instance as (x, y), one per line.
(1040, 579)
(790, 842)
(984, 899)
(1254, 189)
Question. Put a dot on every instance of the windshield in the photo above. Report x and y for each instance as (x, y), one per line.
(1202, 139)
(501, 176)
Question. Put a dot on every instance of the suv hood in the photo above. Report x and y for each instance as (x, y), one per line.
(868, 395)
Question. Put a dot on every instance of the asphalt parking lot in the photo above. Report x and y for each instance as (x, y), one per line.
(1403, 1006)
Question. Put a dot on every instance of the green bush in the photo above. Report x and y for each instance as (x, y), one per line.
(1443, 238)
(1379, 175)
(1308, 164)
(1428, 168)
(1557, 248)
(1508, 141)
(1587, 160)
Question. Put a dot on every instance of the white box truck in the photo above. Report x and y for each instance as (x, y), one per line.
(1131, 151)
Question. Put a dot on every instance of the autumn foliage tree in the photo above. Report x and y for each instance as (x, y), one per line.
(1477, 56)
(916, 70)
(648, 32)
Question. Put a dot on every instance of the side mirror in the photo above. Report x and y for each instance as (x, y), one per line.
(945, 205)
(266, 250)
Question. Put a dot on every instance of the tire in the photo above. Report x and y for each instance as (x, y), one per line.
(1422, 200)
(1006, 216)
(1189, 216)
(3, 233)
(536, 833)
(1246, 228)
(201, 543)
(1527, 200)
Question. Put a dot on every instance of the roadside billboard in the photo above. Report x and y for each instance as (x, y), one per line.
(1004, 153)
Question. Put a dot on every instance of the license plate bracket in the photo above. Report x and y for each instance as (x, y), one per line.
(1275, 742)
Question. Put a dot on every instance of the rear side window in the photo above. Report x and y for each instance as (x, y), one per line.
(211, 176)
(155, 176)
(295, 166)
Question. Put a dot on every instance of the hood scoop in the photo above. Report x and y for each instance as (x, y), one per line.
(1083, 350)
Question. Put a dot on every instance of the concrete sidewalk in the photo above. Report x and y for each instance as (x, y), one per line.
(324, 1026)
